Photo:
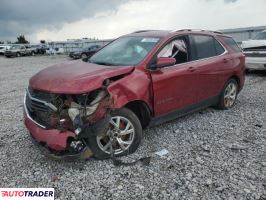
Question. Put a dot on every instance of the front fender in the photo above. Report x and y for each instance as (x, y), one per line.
(133, 87)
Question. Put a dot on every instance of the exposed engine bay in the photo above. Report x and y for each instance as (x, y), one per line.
(83, 114)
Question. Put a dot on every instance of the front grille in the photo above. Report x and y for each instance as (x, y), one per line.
(255, 55)
(34, 106)
(255, 51)
(38, 108)
(261, 48)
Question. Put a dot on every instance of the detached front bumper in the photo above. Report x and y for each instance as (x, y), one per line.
(53, 138)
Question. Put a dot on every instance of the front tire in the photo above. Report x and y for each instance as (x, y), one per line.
(229, 95)
(18, 54)
(123, 136)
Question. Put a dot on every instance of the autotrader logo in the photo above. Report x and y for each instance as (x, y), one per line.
(27, 193)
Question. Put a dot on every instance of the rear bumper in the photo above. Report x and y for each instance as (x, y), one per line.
(258, 63)
(53, 138)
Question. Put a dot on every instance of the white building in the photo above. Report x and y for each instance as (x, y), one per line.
(242, 34)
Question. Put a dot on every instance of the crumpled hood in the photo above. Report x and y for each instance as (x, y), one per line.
(75, 77)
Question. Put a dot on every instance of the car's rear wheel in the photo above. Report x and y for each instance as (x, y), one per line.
(123, 136)
(32, 53)
(83, 56)
(229, 95)
(18, 54)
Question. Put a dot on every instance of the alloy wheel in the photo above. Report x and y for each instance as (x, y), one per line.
(119, 136)
(230, 95)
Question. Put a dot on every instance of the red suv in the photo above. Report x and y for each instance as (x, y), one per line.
(138, 80)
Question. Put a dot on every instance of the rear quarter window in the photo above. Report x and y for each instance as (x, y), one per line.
(219, 48)
(232, 44)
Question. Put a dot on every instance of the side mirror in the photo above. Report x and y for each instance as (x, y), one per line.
(163, 62)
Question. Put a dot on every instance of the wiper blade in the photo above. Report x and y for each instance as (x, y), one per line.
(102, 63)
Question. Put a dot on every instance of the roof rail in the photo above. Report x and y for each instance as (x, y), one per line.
(218, 32)
(140, 31)
(199, 30)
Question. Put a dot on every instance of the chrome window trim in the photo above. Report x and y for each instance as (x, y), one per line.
(27, 113)
(203, 59)
(195, 61)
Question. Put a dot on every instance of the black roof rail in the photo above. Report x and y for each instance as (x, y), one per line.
(140, 31)
(200, 30)
(219, 32)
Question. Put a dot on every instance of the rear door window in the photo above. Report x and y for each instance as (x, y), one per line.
(205, 46)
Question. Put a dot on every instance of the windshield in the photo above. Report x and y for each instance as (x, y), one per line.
(261, 36)
(125, 51)
(15, 47)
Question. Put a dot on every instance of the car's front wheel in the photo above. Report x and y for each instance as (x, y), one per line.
(123, 136)
(229, 95)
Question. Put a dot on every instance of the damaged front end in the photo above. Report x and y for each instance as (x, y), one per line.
(62, 123)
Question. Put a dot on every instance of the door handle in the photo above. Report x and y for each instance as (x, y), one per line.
(226, 60)
(191, 69)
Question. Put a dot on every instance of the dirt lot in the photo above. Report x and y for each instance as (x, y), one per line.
(212, 154)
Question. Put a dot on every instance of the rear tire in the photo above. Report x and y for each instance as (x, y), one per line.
(124, 142)
(229, 95)
(18, 54)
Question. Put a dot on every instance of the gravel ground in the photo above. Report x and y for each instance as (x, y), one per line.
(212, 154)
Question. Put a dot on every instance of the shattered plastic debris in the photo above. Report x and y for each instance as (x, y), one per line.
(237, 147)
(162, 153)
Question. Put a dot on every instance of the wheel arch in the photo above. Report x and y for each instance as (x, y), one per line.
(141, 110)
(235, 77)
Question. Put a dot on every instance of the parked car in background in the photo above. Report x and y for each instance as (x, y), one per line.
(53, 51)
(255, 51)
(18, 50)
(86, 52)
(138, 80)
(40, 48)
(32, 49)
(3, 49)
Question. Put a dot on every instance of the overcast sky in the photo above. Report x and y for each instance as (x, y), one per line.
(67, 19)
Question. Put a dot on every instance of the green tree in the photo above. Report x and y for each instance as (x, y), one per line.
(21, 40)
